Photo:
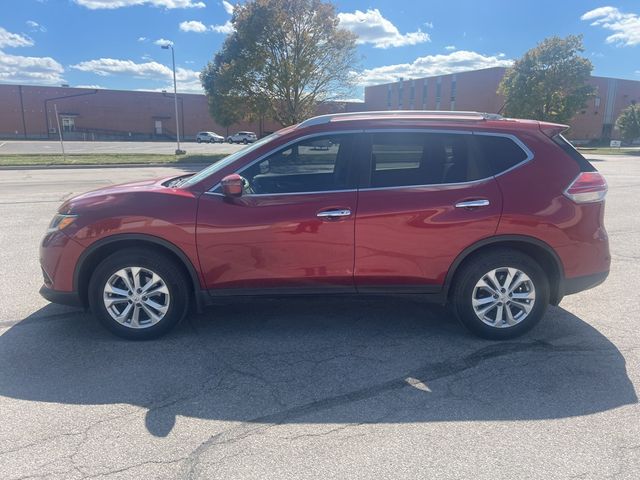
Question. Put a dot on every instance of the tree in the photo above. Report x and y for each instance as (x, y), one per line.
(629, 123)
(550, 82)
(284, 57)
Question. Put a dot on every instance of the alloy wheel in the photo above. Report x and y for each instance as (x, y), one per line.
(503, 297)
(136, 297)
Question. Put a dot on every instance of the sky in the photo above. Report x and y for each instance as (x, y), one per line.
(115, 44)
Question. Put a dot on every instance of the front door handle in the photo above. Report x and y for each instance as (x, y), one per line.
(473, 203)
(334, 213)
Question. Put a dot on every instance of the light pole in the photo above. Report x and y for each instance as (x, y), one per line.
(175, 96)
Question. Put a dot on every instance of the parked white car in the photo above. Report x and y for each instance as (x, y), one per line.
(242, 137)
(209, 137)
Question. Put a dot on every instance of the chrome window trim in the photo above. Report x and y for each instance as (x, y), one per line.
(512, 137)
(351, 190)
(280, 147)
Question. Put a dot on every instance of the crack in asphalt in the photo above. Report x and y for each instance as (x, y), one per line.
(427, 373)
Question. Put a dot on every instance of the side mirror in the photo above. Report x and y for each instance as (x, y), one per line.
(232, 185)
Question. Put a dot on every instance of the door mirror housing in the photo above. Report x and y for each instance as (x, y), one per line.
(232, 185)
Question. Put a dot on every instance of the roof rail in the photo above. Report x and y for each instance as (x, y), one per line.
(463, 115)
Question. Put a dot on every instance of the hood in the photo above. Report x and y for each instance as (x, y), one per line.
(114, 194)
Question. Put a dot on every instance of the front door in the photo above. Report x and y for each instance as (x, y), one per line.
(158, 127)
(429, 196)
(292, 230)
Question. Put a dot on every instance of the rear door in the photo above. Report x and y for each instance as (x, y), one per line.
(429, 195)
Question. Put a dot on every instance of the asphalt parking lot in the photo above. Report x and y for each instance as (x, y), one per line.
(314, 388)
(12, 147)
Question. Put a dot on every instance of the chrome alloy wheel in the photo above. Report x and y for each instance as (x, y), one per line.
(503, 297)
(136, 297)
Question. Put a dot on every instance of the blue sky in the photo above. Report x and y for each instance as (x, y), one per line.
(114, 43)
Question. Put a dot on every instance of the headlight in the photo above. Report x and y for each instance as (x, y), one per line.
(60, 222)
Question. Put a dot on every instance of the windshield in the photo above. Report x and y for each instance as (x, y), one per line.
(215, 167)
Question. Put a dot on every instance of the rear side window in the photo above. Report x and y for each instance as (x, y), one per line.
(406, 159)
(583, 163)
(501, 153)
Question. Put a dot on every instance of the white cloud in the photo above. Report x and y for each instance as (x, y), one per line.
(142, 39)
(228, 7)
(372, 27)
(450, 48)
(626, 26)
(112, 4)
(35, 26)
(8, 39)
(93, 87)
(163, 41)
(430, 65)
(227, 28)
(193, 26)
(187, 80)
(38, 70)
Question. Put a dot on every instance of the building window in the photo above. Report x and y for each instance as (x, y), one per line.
(68, 124)
(438, 92)
(597, 102)
(400, 93)
(412, 95)
(454, 84)
(389, 96)
(424, 93)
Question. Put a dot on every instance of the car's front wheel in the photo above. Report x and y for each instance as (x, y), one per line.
(138, 294)
(198, 140)
(500, 294)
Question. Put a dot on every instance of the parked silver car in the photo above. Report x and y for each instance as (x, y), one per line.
(209, 137)
(242, 137)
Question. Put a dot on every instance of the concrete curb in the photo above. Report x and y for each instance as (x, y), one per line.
(106, 165)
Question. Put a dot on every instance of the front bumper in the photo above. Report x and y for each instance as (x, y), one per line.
(63, 298)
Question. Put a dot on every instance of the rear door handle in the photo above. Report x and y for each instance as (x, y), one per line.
(334, 213)
(473, 203)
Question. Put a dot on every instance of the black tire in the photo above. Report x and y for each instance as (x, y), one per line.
(198, 140)
(475, 269)
(245, 141)
(167, 268)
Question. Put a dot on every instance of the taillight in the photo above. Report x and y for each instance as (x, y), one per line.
(588, 187)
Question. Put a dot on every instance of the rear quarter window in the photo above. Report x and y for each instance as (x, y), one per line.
(500, 153)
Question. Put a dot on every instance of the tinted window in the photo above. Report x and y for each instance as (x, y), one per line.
(316, 164)
(404, 159)
(501, 153)
(569, 149)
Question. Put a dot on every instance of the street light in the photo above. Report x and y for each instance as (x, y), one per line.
(175, 96)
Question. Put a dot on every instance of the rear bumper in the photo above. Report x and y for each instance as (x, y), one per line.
(63, 298)
(578, 284)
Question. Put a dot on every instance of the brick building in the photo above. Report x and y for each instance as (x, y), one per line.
(476, 90)
(28, 112)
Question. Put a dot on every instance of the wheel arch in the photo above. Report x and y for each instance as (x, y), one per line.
(540, 251)
(100, 249)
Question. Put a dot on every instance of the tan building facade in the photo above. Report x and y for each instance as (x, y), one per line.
(476, 90)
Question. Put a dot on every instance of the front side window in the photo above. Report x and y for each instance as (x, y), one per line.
(406, 159)
(317, 164)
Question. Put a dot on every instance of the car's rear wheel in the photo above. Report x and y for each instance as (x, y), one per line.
(500, 294)
(245, 141)
(138, 294)
(198, 140)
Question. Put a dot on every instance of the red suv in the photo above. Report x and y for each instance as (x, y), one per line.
(497, 217)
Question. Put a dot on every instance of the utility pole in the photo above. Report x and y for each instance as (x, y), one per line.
(175, 97)
(64, 156)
